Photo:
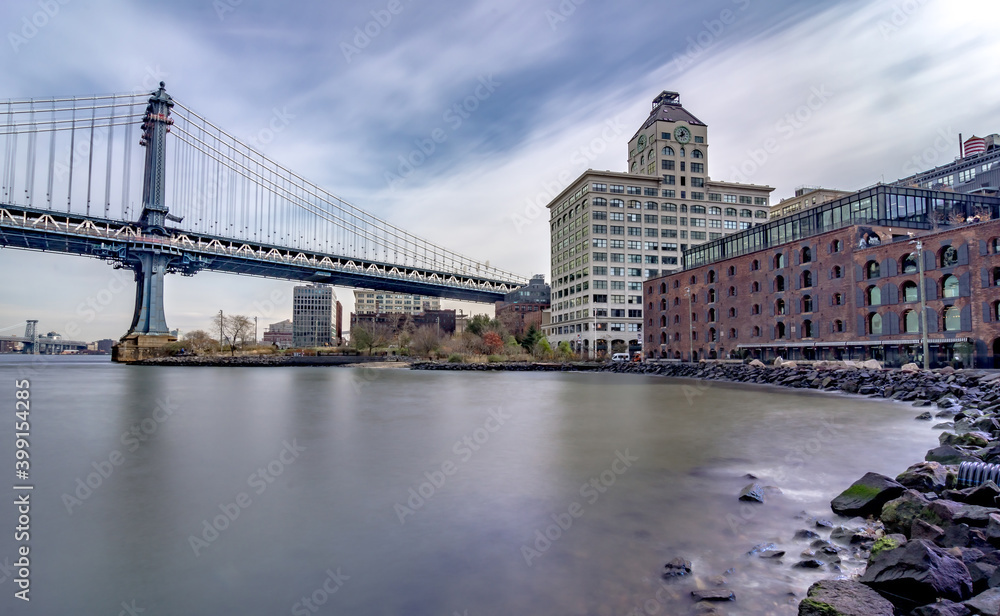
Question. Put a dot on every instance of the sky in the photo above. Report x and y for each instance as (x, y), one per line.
(834, 94)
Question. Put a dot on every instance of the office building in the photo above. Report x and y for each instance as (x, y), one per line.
(611, 231)
(312, 316)
(805, 198)
(367, 300)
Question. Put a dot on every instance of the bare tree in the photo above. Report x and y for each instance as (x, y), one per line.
(370, 335)
(426, 340)
(199, 341)
(234, 328)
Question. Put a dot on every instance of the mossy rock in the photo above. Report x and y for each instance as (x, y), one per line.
(885, 543)
(843, 598)
(866, 496)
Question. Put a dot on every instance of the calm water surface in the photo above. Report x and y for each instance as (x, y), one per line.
(319, 464)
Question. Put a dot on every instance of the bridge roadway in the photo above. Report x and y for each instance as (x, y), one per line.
(112, 240)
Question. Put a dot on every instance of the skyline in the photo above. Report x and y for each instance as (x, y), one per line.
(527, 99)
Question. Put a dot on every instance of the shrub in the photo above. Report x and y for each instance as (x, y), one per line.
(494, 359)
(455, 358)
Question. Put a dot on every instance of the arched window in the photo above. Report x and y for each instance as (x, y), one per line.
(732, 291)
(732, 333)
(996, 311)
(910, 291)
(838, 299)
(693, 279)
(779, 261)
(732, 270)
(909, 264)
(677, 319)
(711, 296)
(730, 211)
(663, 287)
(949, 286)
(807, 255)
(663, 337)
(952, 319)
(872, 270)
(755, 265)
(836, 246)
(807, 303)
(684, 208)
(807, 329)
(755, 309)
(711, 315)
(838, 326)
(949, 257)
(754, 287)
(677, 283)
(677, 301)
(732, 312)
(779, 283)
(663, 304)
(875, 324)
(996, 276)
(697, 154)
(779, 307)
(663, 321)
(711, 276)
(683, 153)
(779, 330)
(837, 272)
(756, 332)
(873, 296)
(807, 279)
(995, 245)
(667, 151)
(712, 335)
(911, 322)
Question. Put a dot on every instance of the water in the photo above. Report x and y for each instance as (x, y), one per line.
(325, 459)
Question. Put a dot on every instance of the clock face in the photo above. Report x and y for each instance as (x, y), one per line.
(642, 142)
(682, 134)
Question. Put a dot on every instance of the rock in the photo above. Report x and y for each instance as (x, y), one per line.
(898, 514)
(910, 367)
(946, 454)
(866, 496)
(678, 567)
(753, 493)
(824, 523)
(993, 529)
(983, 495)
(941, 608)
(705, 608)
(811, 563)
(921, 529)
(918, 573)
(757, 364)
(789, 364)
(713, 594)
(806, 534)
(924, 477)
(771, 554)
(923, 403)
(944, 425)
(968, 439)
(959, 513)
(985, 603)
(871, 364)
(925, 416)
(845, 598)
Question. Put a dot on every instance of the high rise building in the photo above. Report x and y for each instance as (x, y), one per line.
(367, 300)
(312, 316)
(610, 231)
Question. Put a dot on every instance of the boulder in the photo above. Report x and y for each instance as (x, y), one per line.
(946, 454)
(924, 477)
(789, 364)
(973, 438)
(925, 416)
(678, 567)
(941, 608)
(899, 513)
(871, 364)
(922, 529)
(917, 574)
(983, 495)
(866, 496)
(713, 594)
(753, 493)
(757, 364)
(910, 367)
(985, 603)
(778, 361)
(843, 597)
(992, 531)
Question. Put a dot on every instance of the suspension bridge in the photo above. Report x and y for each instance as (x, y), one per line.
(72, 183)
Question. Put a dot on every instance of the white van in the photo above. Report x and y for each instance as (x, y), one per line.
(619, 357)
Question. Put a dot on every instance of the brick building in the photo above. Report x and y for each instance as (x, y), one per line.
(845, 293)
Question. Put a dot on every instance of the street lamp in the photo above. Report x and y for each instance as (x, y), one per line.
(923, 304)
(220, 331)
(687, 291)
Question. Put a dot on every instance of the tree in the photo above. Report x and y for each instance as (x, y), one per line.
(234, 328)
(425, 340)
(565, 351)
(369, 334)
(479, 324)
(199, 341)
(530, 338)
(493, 343)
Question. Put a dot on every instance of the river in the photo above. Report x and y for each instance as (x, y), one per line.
(356, 491)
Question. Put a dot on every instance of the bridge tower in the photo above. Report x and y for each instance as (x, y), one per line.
(31, 336)
(149, 331)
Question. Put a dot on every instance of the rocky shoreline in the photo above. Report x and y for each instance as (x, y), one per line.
(252, 361)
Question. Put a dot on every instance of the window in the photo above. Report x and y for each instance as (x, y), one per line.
(634, 217)
(806, 255)
(838, 326)
(836, 246)
(779, 307)
(617, 203)
(807, 329)
(651, 219)
(697, 167)
(667, 165)
(599, 187)
(746, 213)
(755, 265)
(600, 256)
(669, 207)
(652, 205)
(779, 330)
(756, 332)
(616, 257)
(634, 190)
(779, 261)
(952, 319)
(668, 220)
(872, 270)
(807, 279)
(667, 151)
(635, 231)
(760, 214)
(600, 243)
(730, 199)
(697, 153)
(671, 246)
(618, 216)
(732, 270)
(697, 222)
(711, 315)
(911, 322)
(875, 324)
(616, 230)
(754, 287)
(617, 188)
(873, 296)
(910, 292)
(714, 223)
(779, 283)
(730, 211)
(697, 235)
(695, 183)
(807, 303)
(669, 179)
(697, 209)
(838, 299)
(909, 264)
(996, 276)
(949, 257)
(837, 272)
(617, 243)
(755, 309)
(949, 286)
(760, 200)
